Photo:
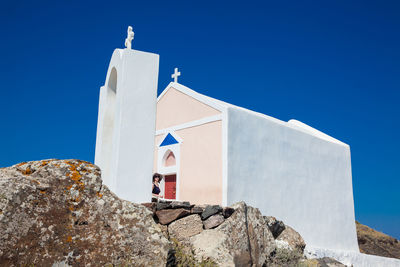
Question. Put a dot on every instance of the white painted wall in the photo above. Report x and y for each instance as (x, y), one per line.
(293, 174)
(129, 134)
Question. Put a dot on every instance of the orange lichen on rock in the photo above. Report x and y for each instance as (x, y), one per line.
(69, 238)
(45, 162)
(27, 171)
(100, 195)
(75, 175)
(42, 192)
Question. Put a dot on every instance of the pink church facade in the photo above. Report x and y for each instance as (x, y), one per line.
(190, 158)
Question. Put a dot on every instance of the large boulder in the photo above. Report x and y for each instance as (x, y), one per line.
(169, 215)
(58, 212)
(274, 225)
(210, 210)
(290, 239)
(243, 239)
(186, 227)
(213, 221)
(197, 209)
(227, 212)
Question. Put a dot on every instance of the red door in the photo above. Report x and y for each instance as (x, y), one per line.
(170, 186)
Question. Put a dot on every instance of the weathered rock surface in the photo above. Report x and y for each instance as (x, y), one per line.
(151, 206)
(285, 257)
(58, 212)
(242, 240)
(163, 205)
(186, 227)
(181, 204)
(322, 262)
(275, 226)
(197, 210)
(227, 212)
(290, 239)
(213, 221)
(210, 210)
(169, 215)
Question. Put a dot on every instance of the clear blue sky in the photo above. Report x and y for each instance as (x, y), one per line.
(334, 65)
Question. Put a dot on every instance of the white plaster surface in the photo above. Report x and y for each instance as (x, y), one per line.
(286, 169)
(126, 124)
(293, 174)
(351, 258)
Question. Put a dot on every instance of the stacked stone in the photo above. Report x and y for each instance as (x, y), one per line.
(211, 230)
(206, 216)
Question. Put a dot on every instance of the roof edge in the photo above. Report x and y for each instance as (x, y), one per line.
(223, 107)
(315, 132)
(214, 103)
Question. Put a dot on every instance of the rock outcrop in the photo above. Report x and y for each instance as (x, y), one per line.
(168, 216)
(243, 239)
(373, 242)
(58, 212)
(213, 221)
(186, 227)
(290, 239)
(230, 236)
(275, 226)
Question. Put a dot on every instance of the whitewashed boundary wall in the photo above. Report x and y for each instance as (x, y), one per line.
(286, 172)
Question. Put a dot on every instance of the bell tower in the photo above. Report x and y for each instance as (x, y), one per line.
(126, 122)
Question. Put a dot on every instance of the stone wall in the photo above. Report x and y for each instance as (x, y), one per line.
(226, 236)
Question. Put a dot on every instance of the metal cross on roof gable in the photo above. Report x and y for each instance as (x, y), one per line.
(176, 75)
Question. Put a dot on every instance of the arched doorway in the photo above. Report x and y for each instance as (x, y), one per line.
(169, 179)
(168, 164)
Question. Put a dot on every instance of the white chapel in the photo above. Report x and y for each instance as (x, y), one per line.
(212, 152)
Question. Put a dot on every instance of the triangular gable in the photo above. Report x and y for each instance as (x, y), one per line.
(212, 102)
(176, 107)
(169, 140)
